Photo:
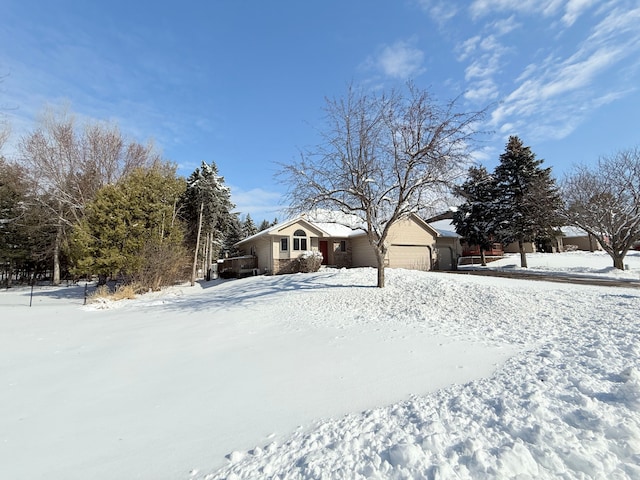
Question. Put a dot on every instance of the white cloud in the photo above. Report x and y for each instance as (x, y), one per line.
(505, 25)
(574, 9)
(260, 203)
(554, 95)
(439, 10)
(482, 91)
(468, 47)
(400, 60)
(480, 8)
(480, 73)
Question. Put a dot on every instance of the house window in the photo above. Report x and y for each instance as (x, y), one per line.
(343, 245)
(284, 244)
(299, 240)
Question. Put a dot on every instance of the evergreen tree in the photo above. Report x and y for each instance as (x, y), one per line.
(264, 225)
(68, 165)
(125, 222)
(25, 233)
(473, 219)
(527, 200)
(13, 238)
(233, 235)
(206, 207)
(248, 227)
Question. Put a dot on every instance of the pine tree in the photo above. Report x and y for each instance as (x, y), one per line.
(25, 233)
(248, 227)
(127, 220)
(206, 207)
(527, 199)
(473, 219)
(264, 225)
(13, 238)
(233, 234)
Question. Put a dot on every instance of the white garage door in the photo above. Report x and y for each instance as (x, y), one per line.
(413, 257)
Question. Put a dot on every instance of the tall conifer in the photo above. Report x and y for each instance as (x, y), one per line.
(527, 200)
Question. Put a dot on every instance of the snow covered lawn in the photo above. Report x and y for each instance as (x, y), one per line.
(323, 376)
(583, 264)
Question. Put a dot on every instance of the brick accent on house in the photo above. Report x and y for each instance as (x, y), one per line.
(286, 265)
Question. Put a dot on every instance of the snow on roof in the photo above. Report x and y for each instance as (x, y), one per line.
(322, 216)
(569, 231)
(444, 228)
(337, 229)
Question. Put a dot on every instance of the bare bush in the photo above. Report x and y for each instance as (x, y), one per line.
(310, 261)
(163, 265)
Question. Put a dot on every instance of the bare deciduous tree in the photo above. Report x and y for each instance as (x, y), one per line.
(605, 202)
(68, 165)
(383, 157)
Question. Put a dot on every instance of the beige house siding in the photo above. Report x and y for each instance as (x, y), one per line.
(411, 245)
(262, 250)
(408, 232)
(363, 253)
(337, 257)
(271, 258)
(582, 243)
(448, 250)
(529, 247)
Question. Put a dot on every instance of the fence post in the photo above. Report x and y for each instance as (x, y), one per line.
(85, 292)
(31, 296)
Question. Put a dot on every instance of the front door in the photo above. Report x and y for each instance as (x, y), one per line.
(324, 250)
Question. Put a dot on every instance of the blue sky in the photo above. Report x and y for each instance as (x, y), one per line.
(243, 83)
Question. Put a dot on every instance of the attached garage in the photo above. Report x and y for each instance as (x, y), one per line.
(413, 257)
(445, 258)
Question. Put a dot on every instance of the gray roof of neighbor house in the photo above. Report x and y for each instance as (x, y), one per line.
(445, 228)
(571, 232)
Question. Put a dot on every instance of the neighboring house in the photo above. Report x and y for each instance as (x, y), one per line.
(574, 238)
(514, 247)
(448, 244)
(277, 249)
(451, 248)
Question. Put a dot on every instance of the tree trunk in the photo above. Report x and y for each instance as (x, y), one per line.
(618, 262)
(9, 274)
(195, 255)
(56, 255)
(483, 258)
(380, 260)
(209, 254)
(523, 254)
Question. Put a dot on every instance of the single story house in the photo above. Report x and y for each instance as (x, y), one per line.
(276, 250)
(574, 238)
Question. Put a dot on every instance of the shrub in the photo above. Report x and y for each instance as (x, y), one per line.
(310, 261)
(162, 265)
(102, 292)
(125, 292)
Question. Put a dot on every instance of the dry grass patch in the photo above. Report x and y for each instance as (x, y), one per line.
(122, 292)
